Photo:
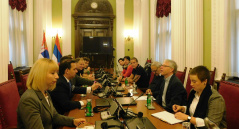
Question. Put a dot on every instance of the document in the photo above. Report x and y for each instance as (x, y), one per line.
(141, 98)
(166, 117)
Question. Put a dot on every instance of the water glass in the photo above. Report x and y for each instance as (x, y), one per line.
(186, 125)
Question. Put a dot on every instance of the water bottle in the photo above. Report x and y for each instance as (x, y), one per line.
(126, 82)
(89, 108)
(149, 100)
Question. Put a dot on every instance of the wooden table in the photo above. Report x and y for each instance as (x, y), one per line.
(140, 107)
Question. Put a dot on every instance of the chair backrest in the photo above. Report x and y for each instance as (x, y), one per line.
(151, 78)
(230, 93)
(1, 117)
(188, 85)
(11, 74)
(24, 82)
(181, 75)
(212, 76)
(9, 99)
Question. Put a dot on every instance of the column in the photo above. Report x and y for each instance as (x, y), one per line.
(4, 40)
(66, 27)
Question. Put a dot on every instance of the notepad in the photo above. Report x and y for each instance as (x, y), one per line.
(166, 117)
(141, 98)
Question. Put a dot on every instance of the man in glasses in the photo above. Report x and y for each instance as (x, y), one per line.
(171, 89)
(154, 86)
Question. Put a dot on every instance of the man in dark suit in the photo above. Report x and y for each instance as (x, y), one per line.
(154, 86)
(171, 89)
(65, 89)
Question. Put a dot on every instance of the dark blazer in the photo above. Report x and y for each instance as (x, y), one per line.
(155, 85)
(176, 93)
(79, 81)
(33, 112)
(62, 95)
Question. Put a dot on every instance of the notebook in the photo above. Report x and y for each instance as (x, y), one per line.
(166, 117)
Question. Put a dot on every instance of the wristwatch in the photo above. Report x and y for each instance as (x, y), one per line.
(189, 118)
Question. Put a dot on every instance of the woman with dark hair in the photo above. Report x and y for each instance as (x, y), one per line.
(204, 102)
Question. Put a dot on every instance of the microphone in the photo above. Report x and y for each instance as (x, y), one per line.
(132, 102)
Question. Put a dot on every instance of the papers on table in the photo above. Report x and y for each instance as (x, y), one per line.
(87, 127)
(141, 98)
(166, 117)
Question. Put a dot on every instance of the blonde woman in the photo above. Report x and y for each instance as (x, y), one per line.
(35, 108)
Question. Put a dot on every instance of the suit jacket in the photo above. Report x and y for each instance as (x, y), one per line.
(155, 85)
(216, 111)
(175, 94)
(79, 81)
(34, 112)
(62, 95)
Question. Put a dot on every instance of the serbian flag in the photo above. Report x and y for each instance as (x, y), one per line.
(57, 51)
(44, 50)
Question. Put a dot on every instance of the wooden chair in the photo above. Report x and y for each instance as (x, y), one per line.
(9, 99)
(151, 78)
(181, 75)
(11, 75)
(24, 82)
(230, 93)
(212, 76)
(1, 117)
(188, 85)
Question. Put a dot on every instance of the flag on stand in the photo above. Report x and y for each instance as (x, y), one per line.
(44, 50)
(57, 51)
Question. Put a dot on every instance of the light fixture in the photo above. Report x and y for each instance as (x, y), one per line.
(129, 35)
(55, 31)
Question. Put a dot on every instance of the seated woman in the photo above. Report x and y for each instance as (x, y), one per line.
(203, 102)
(35, 108)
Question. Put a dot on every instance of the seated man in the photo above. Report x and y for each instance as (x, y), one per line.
(80, 67)
(86, 65)
(138, 75)
(65, 88)
(127, 69)
(154, 87)
(171, 89)
(121, 62)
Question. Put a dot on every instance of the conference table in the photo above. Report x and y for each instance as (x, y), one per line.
(140, 107)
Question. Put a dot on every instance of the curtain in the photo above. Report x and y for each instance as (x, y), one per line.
(163, 39)
(17, 38)
(234, 38)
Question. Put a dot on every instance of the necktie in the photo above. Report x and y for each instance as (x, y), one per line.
(70, 86)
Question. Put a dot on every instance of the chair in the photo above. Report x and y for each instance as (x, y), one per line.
(181, 75)
(188, 85)
(9, 99)
(11, 75)
(212, 76)
(1, 117)
(230, 93)
(151, 78)
(24, 82)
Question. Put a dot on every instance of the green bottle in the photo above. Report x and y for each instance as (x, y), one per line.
(149, 100)
(126, 82)
(89, 108)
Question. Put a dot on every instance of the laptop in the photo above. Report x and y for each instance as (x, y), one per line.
(119, 88)
(105, 93)
(124, 101)
(139, 123)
